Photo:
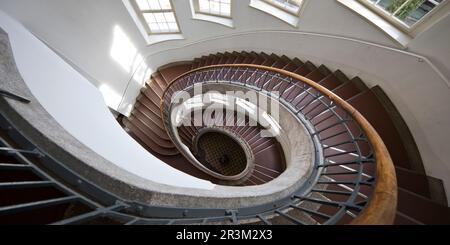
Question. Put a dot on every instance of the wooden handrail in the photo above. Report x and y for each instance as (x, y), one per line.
(382, 205)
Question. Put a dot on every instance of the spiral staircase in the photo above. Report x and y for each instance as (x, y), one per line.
(365, 167)
(420, 198)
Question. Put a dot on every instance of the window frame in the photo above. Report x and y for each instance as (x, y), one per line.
(140, 14)
(398, 23)
(284, 9)
(196, 5)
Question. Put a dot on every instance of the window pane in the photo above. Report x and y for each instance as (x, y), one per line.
(391, 6)
(165, 4)
(203, 5)
(150, 18)
(143, 5)
(158, 15)
(408, 12)
(292, 6)
(163, 27)
(170, 17)
(415, 11)
(154, 28)
(154, 5)
(225, 9)
(173, 27)
(215, 7)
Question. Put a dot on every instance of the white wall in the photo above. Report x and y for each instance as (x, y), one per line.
(84, 31)
(79, 107)
(434, 44)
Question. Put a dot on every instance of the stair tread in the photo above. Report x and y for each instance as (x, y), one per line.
(155, 87)
(368, 105)
(415, 182)
(330, 82)
(347, 90)
(421, 208)
(402, 219)
(151, 95)
(315, 75)
(409, 144)
(303, 70)
(171, 73)
(159, 79)
(147, 124)
(148, 143)
(145, 101)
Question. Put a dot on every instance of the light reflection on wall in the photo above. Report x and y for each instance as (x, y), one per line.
(123, 51)
(110, 96)
(125, 54)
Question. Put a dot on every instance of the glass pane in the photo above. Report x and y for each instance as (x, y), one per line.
(215, 7)
(203, 5)
(170, 17)
(159, 17)
(154, 28)
(415, 11)
(173, 27)
(408, 12)
(154, 5)
(225, 9)
(164, 27)
(149, 18)
(165, 4)
(389, 5)
(143, 5)
(292, 6)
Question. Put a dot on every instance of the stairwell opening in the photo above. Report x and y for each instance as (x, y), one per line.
(221, 153)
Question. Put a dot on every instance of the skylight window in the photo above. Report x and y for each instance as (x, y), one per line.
(285, 10)
(291, 6)
(220, 8)
(158, 15)
(406, 12)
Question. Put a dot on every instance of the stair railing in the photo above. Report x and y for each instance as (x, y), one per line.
(356, 175)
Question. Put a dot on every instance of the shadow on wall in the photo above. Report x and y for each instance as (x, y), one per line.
(126, 55)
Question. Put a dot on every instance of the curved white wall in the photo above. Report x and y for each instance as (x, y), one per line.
(85, 32)
(79, 107)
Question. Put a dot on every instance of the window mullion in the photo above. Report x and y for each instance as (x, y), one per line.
(401, 7)
(210, 7)
(159, 4)
(156, 11)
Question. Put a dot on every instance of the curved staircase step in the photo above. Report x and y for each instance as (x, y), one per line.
(159, 79)
(151, 95)
(148, 127)
(149, 105)
(413, 181)
(422, 209)
(370, 107)
(330, 82)
(147, 142)
(172, 72)
(402, 219)
(303, 70)
(279, 62)
(143, 112)
(153, 85)
(406, 137)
